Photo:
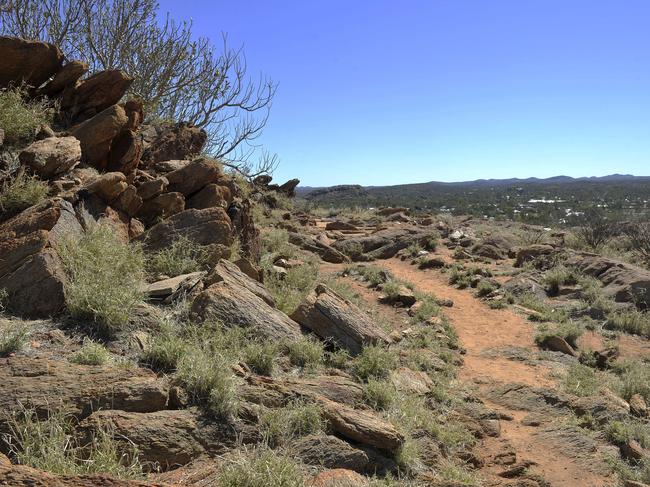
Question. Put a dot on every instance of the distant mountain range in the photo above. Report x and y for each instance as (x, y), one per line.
(316, 191)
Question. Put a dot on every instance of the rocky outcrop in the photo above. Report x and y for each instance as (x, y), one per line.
(334, 318)
(324, 251)
(95, 94)
(172, 142)
(67, 76)
(383, 244)
(226, 271)
(169, 438)
(621, 281)
(52, 156)
(31, 62)
(43, 384)
(330, 452)
(539, 255)
(194, 176)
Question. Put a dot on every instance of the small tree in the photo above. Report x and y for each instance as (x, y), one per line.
(639, 236)
(177, 76)
(595, 229)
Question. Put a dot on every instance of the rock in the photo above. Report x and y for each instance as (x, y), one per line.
(167, 287)
(51, 157)
(43, 384)
(332, 317)
(326, 252)
(541, 255)
(339, 225)
(634, 483)
(632, 450)
(338, 477)
(31, 62)
(202, 227)
(67, 76)
(128, 201)
(161, 207)
(638, 406)
(625, 283)
(391, 211)
(431, 263)
(521, 285)
(250, 269)
(96, 135)
(411, 381)
(125, 153)
(226, 271)
(289, 188)
(243, 222)
(329, 452)
(494, 247)
(211, 195)
(384, 244)
(30, 270)
(152, 188)
(402, 295)
(194, 176)
(22, 476)
(557, 344)
(398, 217)
(235, 305)
(108, 186)
(95, 94)
(169, 438)
(362, 427)
(172, 142)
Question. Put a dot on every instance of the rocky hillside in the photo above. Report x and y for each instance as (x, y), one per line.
(166, 323)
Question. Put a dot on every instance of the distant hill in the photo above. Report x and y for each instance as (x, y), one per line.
(532, 199)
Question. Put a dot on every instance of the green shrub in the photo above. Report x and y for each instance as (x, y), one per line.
(558, 276)
(261, 356)
(181, 257)
(49, 444)
(209, 381)
(352, 249)
(375, 361)
(13, 338)
(261, 467)
(413, 250)
(164, 353)
(372, 274)
(581, 380)
(292, 421)
(21, 119)
(105, 277)
(431, 243)
(634, 322)
(289, 290)
(91, 353)
(306, 352)
(276, 242)
(379, 394)
(485, 288)
(21, 192)
(338, 359)
(634, 378)
(569, 331)
(426, 308)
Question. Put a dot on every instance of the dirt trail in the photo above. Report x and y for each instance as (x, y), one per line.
(483, 332)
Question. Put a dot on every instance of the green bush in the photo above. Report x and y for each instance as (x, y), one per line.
(105, 277)
(181, 257)
(569, 331)
(292, 421)
(352, 249)
(426, 308)
(581, 380)
(620, 432)
(49, 444)
(91, 353)
(21, 119)
(306, 352)
(164, 354)
(208, 379)
(634, 378)
(375, 361)
(261, 356)
(21, 192)
(276, 242)
(634, 322)
(13, 338)
(289, 290)
(261, 467)
(485, 288)
(413, 250)
(379, 394)
(338, 359)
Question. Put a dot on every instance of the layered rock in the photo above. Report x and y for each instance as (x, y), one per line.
(29, 62)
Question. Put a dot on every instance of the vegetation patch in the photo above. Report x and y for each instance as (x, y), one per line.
(261, 467)
(19, 118)
(91, 353)
(21, 192)
(13, 338)
(375, 361)
(293, 420)
(183, 256)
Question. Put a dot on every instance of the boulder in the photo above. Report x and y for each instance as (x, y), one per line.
(235, 305)
(226, 271)
(326, 252)
(125, 153)
(363, 427)
(96, 135)
(638, 406)
(338, 477)
(557, 344)
(401, 296)
(329, 452)
(211, 195)
(289, 188)
(339, 225)
(67, 76)
(332, 317)
(169, 438)
(431, 263)
(152, 188)
(172, 141)
(167, 287)
(160, 207)
(108, 186)
(243, 222)
(540, 255)
(43, 384)
(52, 157)
(95, 94)
(128, 201)
(202, 227)
(621, 281)
(31, 62)
(191, 178)
(411, 381)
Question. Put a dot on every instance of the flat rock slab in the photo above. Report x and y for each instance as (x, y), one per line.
(167, 287)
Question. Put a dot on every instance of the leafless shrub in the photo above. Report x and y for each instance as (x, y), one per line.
(177, 76)
(639, 237)
(595, 229)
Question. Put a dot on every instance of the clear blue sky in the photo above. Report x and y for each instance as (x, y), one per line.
(385, 92)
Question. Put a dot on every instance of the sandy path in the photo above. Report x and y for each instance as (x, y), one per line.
(482, 329)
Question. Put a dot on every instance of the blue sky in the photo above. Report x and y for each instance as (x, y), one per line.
(386, 92)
